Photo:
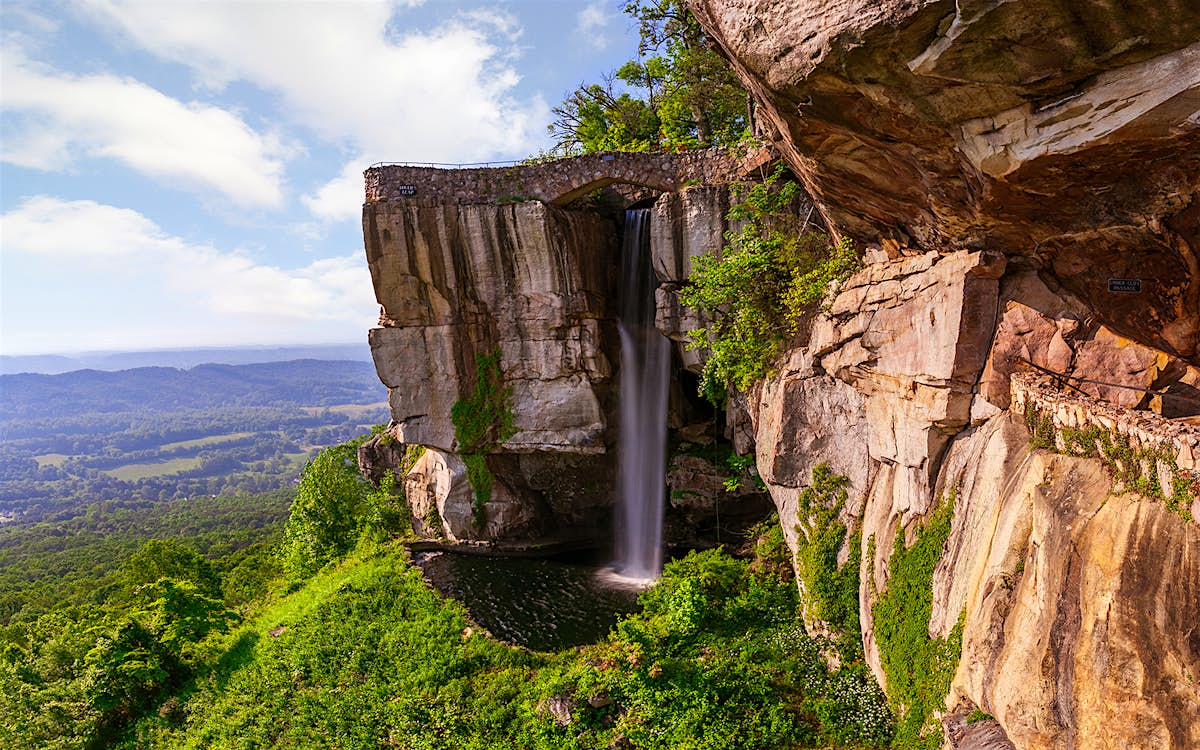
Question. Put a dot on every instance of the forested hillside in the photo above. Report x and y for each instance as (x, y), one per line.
(154, 434)
(222, 632)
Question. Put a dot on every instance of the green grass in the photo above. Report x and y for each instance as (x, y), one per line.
(134, 472)
(366, 655)
(201, 442)
(51, 459)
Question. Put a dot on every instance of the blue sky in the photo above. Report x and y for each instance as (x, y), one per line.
(179, 174)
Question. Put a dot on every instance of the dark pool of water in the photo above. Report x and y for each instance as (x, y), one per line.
(540, 604)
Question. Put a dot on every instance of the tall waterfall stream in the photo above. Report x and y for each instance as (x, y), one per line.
(549, 604)
(645, 368)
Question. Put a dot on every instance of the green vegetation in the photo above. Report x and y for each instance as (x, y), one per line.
(77, 560)
(758, 289)
(482, 421)
(918, 668)
(1136, 470)
(366, 654)
(830, 591)
(208, 440)
(677, 94)
(100, 626)
(327, 512)
(353, 649)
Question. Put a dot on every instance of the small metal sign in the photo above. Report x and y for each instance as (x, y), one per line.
(1128, 286)
(406, 189)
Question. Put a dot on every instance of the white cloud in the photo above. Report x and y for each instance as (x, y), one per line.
(56, 115)
(592, 24)
(341, 198)
(354, 73)
(187, 293)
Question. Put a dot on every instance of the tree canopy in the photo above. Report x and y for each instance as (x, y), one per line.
(677, 94)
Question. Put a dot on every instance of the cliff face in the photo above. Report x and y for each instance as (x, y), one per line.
(1052, 564)
(1025, 178)
(527, 282)
(531, 287)
(1061, 131)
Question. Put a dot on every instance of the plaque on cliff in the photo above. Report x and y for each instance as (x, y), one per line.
(406, 189)
(1127, 286)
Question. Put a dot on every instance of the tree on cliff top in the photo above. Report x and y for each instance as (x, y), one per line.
(678, 94)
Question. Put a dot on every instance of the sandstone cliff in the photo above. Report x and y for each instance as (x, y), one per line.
(462, 275)
(1025, 178)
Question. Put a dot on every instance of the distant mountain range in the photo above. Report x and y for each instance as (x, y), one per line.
(51, 364)
(304, 382)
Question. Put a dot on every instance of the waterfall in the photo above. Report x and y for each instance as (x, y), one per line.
(645, 367)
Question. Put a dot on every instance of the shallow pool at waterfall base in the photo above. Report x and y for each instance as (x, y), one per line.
(545, 605)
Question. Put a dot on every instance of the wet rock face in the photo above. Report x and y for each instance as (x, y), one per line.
(1065, 132)
(535, 284)
(702, 511)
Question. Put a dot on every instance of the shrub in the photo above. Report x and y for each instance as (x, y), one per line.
(328, 511)
(755, 293)
(831, 592)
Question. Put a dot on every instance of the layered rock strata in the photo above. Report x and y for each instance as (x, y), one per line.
(888, 391)
(1064, 131)
(532, 285)
(527, 282)
(1023, 178)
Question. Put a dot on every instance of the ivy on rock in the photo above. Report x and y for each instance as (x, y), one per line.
(482, 421)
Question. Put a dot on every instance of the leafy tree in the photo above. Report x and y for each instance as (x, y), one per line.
(170, 558)
(678, 93)
(128, 672)
(328, 510)
(182, 616)
(387, 513)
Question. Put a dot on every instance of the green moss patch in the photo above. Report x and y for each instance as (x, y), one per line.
(1135, 469)
(918, 668)
(481, 422)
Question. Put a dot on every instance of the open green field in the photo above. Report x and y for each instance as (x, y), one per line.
(210, 440)
(51, 459)
(134, 472)
(353, 410)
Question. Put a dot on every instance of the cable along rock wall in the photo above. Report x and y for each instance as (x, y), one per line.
(1025, 179)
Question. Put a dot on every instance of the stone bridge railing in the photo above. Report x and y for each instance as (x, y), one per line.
(562, 180)
(1168, 450)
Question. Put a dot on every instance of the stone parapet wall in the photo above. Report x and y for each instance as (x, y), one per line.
(1176, 440)
(560, 181)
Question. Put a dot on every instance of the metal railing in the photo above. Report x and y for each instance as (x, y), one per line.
(446, 165)
(1063, 377)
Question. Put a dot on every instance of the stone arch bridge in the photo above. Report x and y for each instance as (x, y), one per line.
(561, 181)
